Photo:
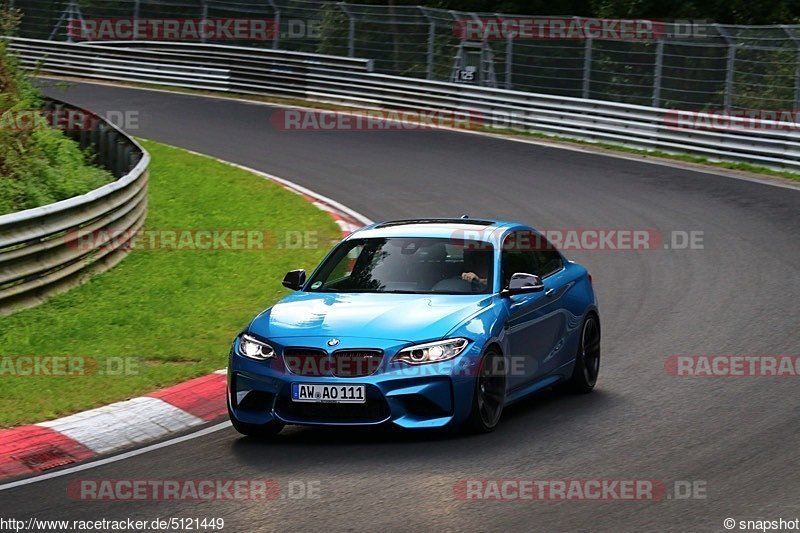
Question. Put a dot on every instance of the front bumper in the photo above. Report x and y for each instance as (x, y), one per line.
(422, 396)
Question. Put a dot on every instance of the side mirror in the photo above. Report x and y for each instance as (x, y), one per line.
(522, 283)
(295, 279)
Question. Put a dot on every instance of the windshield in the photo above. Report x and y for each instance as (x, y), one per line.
(407, 265)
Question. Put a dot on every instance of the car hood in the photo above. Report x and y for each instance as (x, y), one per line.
(404, 317)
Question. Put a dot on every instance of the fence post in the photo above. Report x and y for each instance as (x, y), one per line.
(659, 67)
(431, 42)
(204, 16)
(431, 48)
(587, 68)
(796, 42)
(729, 68)
(351, 30)
(509, 54)
(276, 25)
(136, 15)
(797, 83)
(509, 60)
(70, 13)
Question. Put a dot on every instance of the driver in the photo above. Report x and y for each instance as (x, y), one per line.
(476, 268)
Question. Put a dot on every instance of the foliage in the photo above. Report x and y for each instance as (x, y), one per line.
(37, 165)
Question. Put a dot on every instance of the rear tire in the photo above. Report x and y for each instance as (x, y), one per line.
(259, 431)
(490, 394)
(587, 360)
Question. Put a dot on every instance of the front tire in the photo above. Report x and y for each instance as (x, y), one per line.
(490, 394)
(587, 360)
(259, 431)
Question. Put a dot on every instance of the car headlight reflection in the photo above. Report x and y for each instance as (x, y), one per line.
(432, 352)
(255, 349)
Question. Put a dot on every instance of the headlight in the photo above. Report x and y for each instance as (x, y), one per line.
(432, 352)
(254, 348)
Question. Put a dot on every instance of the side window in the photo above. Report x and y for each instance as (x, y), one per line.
(549, 262)
(345, 266)
(516, 256)
(526, 252)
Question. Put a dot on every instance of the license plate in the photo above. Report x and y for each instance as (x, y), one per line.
(323, 393)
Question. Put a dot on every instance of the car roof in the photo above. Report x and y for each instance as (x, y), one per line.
(478, 229)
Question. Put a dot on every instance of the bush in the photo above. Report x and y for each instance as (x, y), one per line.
(38, 165)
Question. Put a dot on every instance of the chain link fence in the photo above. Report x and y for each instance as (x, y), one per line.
(710, 67)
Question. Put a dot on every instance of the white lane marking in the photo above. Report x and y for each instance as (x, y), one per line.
(555, 143)
(121, 424)
(115, 458)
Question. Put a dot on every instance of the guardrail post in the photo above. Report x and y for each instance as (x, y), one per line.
(83, 138)
(659, 67)
(102, 144)
(111, 144)
(729, 68)
(116, 163)
(587, 68)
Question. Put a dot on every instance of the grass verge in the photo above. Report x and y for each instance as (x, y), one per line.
(171, 313)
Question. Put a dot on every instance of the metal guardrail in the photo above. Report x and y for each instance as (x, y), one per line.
(321, 78)
(197, 66)
(40, 252)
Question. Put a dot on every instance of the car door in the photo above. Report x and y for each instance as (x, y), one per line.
(535, 325)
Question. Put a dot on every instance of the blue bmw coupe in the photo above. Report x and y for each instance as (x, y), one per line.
(418, 323)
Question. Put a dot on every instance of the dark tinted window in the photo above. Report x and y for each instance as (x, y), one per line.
(407, 265)
(527, 252)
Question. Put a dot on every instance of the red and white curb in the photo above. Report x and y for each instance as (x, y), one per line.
(39, 447)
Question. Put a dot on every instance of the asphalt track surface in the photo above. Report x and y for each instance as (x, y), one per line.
(737, 295)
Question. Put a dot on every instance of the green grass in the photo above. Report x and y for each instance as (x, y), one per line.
(174, 311)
